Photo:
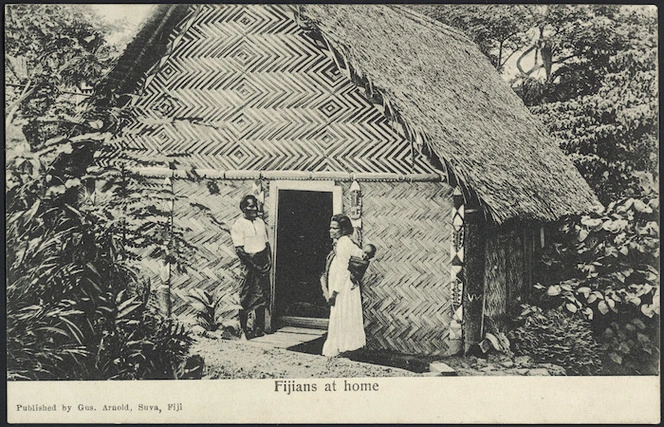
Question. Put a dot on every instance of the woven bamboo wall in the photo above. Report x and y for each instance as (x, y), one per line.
(217, 268)
(406, 295)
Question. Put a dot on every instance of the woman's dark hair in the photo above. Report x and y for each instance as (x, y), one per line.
(344, 224)
(245, 201)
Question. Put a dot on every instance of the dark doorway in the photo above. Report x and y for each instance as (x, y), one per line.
(303, 243)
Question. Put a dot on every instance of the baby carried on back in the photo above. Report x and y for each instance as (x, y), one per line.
(356, 265)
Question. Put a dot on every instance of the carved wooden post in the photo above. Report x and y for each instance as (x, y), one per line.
(355, 211)
(473, 272)
(456, 273)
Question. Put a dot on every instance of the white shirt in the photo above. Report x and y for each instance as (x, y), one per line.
(250, 234)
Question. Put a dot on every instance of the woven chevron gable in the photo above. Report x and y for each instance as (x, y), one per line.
(244, 87)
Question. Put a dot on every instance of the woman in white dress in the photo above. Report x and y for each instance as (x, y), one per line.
(346, 327)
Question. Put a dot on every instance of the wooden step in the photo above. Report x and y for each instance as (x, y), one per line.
(303, 331)
(288, 337)
(303, 322)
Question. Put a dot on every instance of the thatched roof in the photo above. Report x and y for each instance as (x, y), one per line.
(144, 51)
(437, 83)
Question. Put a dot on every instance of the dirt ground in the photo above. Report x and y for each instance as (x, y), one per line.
(228, 358)
(236, 359)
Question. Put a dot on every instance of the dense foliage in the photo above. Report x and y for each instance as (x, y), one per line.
(609, 126)
(611, 257)
(554, 336)
(77, 305)
(615, 281)
(51, 52)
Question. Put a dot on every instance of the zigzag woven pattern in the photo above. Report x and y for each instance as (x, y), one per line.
(216, 268)
(407, 296)
(243, 87)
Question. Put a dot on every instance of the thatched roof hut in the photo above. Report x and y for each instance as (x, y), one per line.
(299, 104)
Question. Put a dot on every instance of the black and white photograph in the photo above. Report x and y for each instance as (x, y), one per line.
(332, 205)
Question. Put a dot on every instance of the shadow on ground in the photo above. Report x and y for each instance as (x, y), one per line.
(411, 363)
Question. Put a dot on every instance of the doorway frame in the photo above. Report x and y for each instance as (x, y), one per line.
(273, 206)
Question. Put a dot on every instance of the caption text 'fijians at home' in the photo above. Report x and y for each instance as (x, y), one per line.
(292, 386)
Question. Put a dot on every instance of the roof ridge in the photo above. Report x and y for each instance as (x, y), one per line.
(423, 19)
(147, 42)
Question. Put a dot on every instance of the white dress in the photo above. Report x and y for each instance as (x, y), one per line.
(345, 331)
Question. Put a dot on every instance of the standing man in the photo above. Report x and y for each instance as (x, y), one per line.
(249, 236)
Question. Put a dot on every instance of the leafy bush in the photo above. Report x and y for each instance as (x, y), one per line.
(39, 343)
(206, 307)
(554, 336)
(215, 312)
(76, 305)
(612, 257)
(630, 347)
(58, 276)
(138, 343)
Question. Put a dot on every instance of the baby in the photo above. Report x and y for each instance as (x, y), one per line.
(369, 251)
(358, 266)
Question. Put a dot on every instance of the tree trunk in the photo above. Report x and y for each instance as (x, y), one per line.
(14, 107)
(500, 56)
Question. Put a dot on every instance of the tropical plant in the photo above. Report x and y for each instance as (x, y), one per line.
(206, 307)
(215, 312)
(147, 345)
(610, 262)
(553, 336)
(51, 273)
(39, 338)
(77, 307)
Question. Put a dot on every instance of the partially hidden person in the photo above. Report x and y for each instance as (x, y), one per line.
(249, 235)
(346, 326)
